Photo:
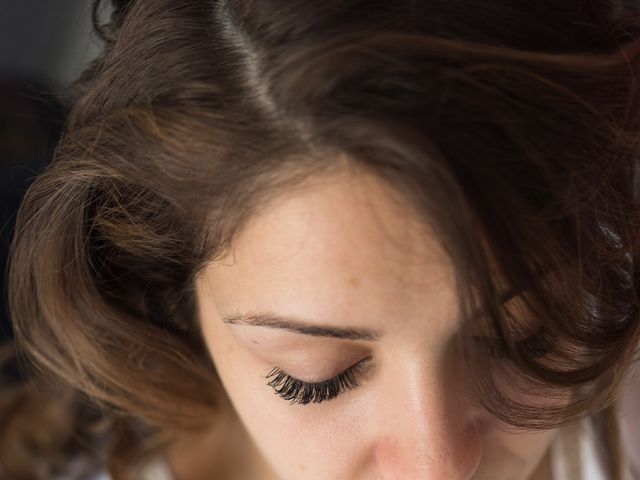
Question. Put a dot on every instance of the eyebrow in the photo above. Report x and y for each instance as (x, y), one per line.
(296, 325)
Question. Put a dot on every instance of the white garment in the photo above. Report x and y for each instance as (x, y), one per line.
(155, 469)
(574, 453)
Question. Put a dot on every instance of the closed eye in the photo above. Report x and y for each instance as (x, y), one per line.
(298, 391)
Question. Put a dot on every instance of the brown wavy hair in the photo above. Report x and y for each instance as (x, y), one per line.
(511, 127)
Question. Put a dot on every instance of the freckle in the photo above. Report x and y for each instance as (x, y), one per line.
(354, 281)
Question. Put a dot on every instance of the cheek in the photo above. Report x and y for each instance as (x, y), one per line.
(299, 443)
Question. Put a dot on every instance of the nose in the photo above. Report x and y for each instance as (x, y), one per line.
(429, 429)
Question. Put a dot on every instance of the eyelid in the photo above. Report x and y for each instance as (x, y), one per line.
(359, 364)
(299, 391)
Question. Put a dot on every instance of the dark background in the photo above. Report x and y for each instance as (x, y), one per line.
(44, 44)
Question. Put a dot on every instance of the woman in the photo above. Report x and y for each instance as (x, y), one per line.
(343, 240)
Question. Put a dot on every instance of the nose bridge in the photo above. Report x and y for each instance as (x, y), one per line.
(431, 428)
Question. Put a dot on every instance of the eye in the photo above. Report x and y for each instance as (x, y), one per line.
(537, 345)
(297, 391)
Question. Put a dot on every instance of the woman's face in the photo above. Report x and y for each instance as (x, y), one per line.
(339, 275)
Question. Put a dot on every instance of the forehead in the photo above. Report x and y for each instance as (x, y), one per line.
(345, 242)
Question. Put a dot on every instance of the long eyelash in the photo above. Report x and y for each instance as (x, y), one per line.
(297, 391)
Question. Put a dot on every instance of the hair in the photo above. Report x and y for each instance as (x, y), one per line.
(509, 127)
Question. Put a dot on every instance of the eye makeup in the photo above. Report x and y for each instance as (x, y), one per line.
(296, 391)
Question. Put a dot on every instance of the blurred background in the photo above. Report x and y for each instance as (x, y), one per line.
(44, 45)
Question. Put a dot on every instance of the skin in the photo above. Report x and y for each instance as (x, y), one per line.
(346, 252)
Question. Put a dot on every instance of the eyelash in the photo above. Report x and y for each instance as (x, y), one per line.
(299, 392)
